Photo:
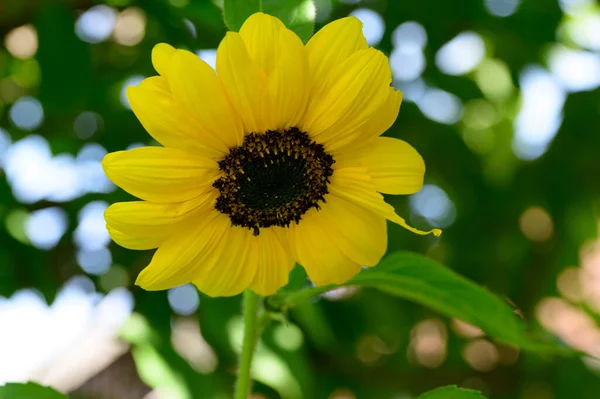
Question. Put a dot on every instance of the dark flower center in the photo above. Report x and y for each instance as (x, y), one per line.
(272, 179)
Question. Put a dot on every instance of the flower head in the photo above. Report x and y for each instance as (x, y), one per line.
(275, 158)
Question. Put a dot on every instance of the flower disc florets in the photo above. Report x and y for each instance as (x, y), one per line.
(272, 179)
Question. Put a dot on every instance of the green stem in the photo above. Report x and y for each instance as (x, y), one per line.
(251, 332)
(263, 319)
(298, 297)
(253, 325)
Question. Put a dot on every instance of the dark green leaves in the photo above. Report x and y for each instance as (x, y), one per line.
(452, 392)
(29, 391)
(235, 12)
(298, 15)
(424, 281)
(64, 60)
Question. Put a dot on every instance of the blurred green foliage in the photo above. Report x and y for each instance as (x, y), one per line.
(451, 393)
(30, 390)
(363, 344)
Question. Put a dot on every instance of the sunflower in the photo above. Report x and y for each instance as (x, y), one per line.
(272, 159)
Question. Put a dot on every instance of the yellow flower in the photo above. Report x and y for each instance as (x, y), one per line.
(274, 159)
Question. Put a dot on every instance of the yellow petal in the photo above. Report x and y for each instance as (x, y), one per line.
(359, 233)
(195, 85)
(236, 260)
(274, 261)
(287, 87)
(380, 121)
(260, 35)
(157, 84)
(394, 165)
(161, 58)
(244, 82)
(318, 253)
(355, 91)
(137, 242)
(187, 254)
(281, 57)
(355, 184)
(145, 225)
(167, 122)
(385, 116)
(261, 263)
(160, 174)
(330, 46)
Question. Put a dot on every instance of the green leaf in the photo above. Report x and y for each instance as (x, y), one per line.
(235, 12)
(422, 280)
(425, 281)
(297, 15)
(29, 391)
(452, 392)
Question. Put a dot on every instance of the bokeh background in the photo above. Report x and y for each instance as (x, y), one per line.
(501, 99)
